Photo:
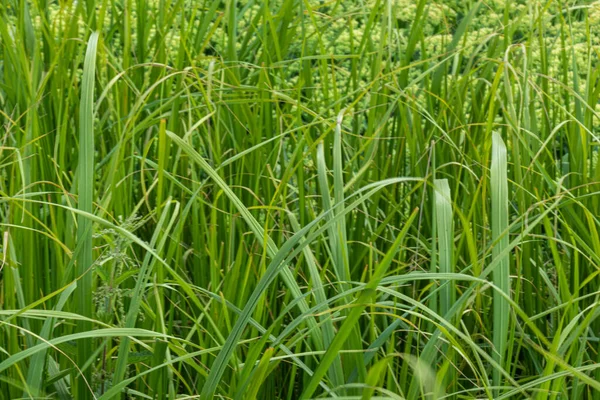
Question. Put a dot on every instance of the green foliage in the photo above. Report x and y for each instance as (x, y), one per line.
(287, 199)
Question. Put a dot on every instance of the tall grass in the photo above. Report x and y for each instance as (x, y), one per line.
(292, 199)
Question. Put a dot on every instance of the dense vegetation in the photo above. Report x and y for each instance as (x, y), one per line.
(290, 199)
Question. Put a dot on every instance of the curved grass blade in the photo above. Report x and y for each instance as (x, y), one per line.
(97, 333)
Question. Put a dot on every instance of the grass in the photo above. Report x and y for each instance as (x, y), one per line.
(292, 199)
(84, 251)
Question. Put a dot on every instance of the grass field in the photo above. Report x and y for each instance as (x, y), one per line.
(295, 199)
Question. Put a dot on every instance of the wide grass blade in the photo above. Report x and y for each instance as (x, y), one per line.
(501, 274)
(85, 192)
(445, 232)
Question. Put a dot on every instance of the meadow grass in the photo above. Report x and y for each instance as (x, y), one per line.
(294, 199)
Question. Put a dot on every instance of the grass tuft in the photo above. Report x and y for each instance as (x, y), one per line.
(299, 199)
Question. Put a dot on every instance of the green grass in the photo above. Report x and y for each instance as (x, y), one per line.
(296, 199)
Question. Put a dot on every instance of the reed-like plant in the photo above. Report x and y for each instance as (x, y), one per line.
(287, 199)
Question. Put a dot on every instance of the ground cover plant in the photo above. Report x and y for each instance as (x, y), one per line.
(294, 199)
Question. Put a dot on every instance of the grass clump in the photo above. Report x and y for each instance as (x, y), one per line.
(296, 199)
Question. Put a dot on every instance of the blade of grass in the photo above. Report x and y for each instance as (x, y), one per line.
(501, 274)
(86, 179)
